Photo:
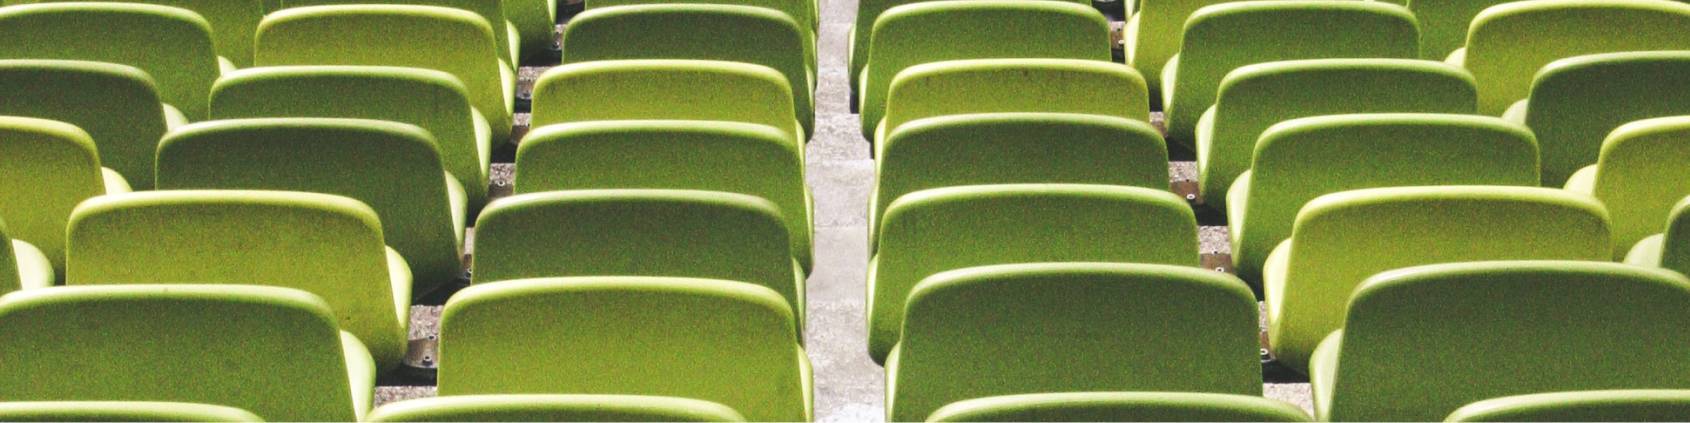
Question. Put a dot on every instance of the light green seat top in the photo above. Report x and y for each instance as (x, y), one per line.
(955, 87)
(1486, 326)
(328, 245)
(937, 230)
(1120, 407)
(711, 340)
(759, 36)
(1443, 23)
(1300, 159)
(1669, 249)
(870, 11)
(393, 167)
(554, 408)
(661, 89)
(233, 22)
(120, 411)
(173, 343)
(760, 161)
(115, 104)
(1072, 327)
(445, 39)
(639, 232)
(46, 168)
(433, 100)
(1627, 405)
(1342, 238)
(505, 36)
(1223, 37)
(1255, 97)
(1639, 176)
(804, 12)
(1154, 33)
(1508, 43)
(935, 31)
(171, 45)
(22, 266)
(1625, 87)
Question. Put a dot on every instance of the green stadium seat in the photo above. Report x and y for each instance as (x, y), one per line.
(943, 229)
(639, 232)
(233, 22)
(1620, 405)
(1508, 43)
(957, 87)
(46, 168)
(935, 31)
(802, 11)
(1072, 327)
(1342, 238)
(1669, 248)
(536, 26)
(662, 89)
(393, 167)
(1443, 23)
(673, 155)
(554, 408)
(172, 343)
(745, 34)
(1255, 97)
(1223, 37)
(1153, 34)
(445, 39)
(1422, 342)
(1301, 159)
(172, 45)
(115, 104)
(430, 99)
(869, 13)
(712, 340)
(115, 411)
(1121, 407)
(328, 245)
(505, 35)
(1624, 87)
(22, 266)
(1639, 176)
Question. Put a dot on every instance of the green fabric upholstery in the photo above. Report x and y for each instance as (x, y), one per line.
(935, 31)
(802, 11)
(1630, 405)
(1483, 325)
(445, 39)
(393, 167)
(662, 89)
(1255, 97)
(328, 245)
(120, 411)
(433, 100)
(936, 230)
(554, 408)
(1508, 43)
(1121, 407)
(1639, 176)
(1223, 37)
(172, 45)
(1301, 159)
(127, 343)
(1072, 327)
(673, 155)
(1443, 23)
(46, 168)
(711, 340)
(869, 13)
(115, 104)
(957, 87)
(1153, 34)
(1623, 86)
(505, 35)
(233, 22)
(1340, 239)
(760, 36)
(639, 232)
(1670, 249)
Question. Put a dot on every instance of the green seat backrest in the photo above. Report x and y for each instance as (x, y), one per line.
(957, 87)
(1121, 406)
(10, 278)
(666, 90)
(1255, 97)
(1628, 405)
(760, 36)
(1641, 175)
(1675, 248)
(942, 229)
(536, 23)
(1508, 43)
(433, 100)
(1154, 34)
(1300, 159)
(1342, 238)
(802, 11)
(450, 40)
(328, 245)
(174, 343)
(1072, 327)
(233, 22)
(869, 13)
(1443, 23)
(554, 408)
(115, 104)
(115, 411)
(491, 11)
(1223, 37)
(638, 232)
(935, 31)
(672, 155)
(392, 167)
(1484, 324)
(1624, 86)
(46, 168)
(171, 45)
(712, 340)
